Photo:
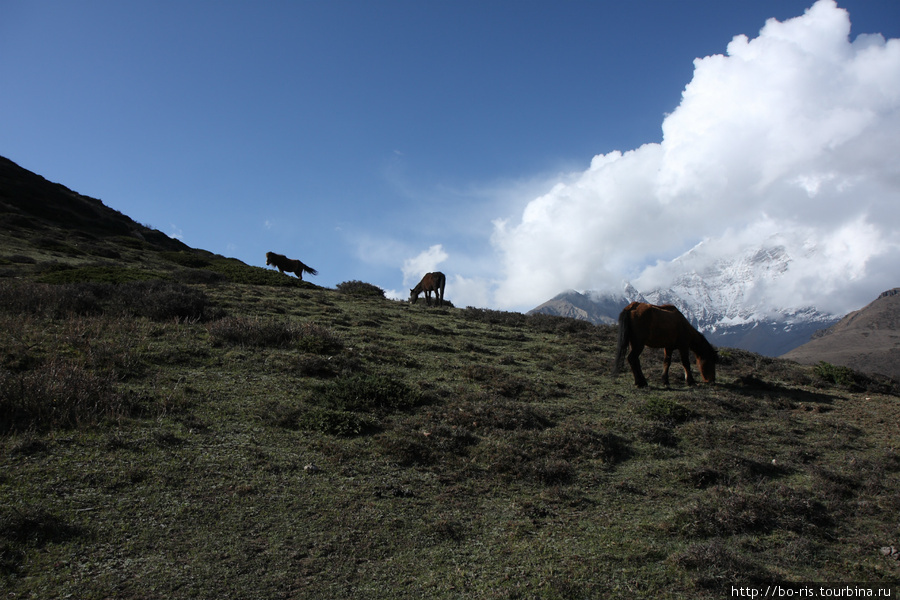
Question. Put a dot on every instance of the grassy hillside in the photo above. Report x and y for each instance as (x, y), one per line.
(175, 424)
(229, 440)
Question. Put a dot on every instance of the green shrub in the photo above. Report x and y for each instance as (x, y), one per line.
(157, 300)
(98, 275)
(494, 317)
(57, 394)
(724, 512)
(835, 374)
(717, 565)
(361, 289)
(435, 445)
(317, 339)
(26, 528)
(561, 325)
(260, 332)
(665, 410)
(367, 393)
(186, 259)
(163, 300)
(335, 422)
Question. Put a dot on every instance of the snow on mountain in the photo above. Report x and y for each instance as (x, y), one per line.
(728, 299)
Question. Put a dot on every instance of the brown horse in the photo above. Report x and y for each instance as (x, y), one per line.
(642, 324)
(432, 282)
(288, 265)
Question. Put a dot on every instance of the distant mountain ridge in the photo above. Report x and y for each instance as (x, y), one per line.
(726, 301)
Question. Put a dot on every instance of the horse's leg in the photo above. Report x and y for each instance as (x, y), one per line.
(686, 363)
(428, 297)
(667, 360)
(634, 360)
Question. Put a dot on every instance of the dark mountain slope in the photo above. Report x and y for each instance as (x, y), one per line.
(866, 340)
(55, 235)
(30, 202)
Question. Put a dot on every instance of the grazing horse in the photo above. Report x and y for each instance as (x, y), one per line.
(288, 265)
(642, 324)
(432, 282)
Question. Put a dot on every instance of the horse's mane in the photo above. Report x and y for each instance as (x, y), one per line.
(701, 346)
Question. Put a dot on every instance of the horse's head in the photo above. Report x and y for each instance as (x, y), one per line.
(268, 258)
(413, 296)
(707, 366)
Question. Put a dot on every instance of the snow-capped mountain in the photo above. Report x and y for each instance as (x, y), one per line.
(728, 299)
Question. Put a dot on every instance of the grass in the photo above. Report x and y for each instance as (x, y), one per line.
(254, 440)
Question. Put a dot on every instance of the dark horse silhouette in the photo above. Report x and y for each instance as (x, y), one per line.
(288, 265)
(432, 282)
(642, 324)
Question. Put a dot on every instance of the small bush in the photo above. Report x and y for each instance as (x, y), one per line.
(361, 289)
(366, 393)
(837, 375)
(432, 446)
(258, 332)
(184, 258)
(246, 331)
(494, 317)
(317, 339)
(100, 274)
(158, 300)
(725, 512)
(58, 394)
(665, 410)
(34, 526)
(30, 527)
(336, 422)
(498, 414)
(716, 566)
(560, 325)
(579, 442)
(163, 301)
(503, 383)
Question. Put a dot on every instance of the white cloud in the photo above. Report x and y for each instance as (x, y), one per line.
(425, 262)
(795, 132)
(464, 291)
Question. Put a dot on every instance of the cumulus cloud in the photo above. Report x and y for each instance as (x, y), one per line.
(425, 262)
(793, 133)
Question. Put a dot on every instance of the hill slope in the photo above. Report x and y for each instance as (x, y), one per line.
(867, 340)
(209, 434)
(55, 235)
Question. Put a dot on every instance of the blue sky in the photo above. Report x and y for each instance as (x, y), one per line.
(378, 140)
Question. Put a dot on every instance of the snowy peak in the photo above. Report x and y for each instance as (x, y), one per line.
(728, 299)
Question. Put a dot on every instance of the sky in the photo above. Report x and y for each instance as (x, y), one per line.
(522, 147)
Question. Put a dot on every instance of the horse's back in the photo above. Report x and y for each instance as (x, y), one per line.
(433, 281)
(657, 326)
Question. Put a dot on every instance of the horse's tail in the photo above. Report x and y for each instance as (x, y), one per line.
(309, 270)
(624, 337)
